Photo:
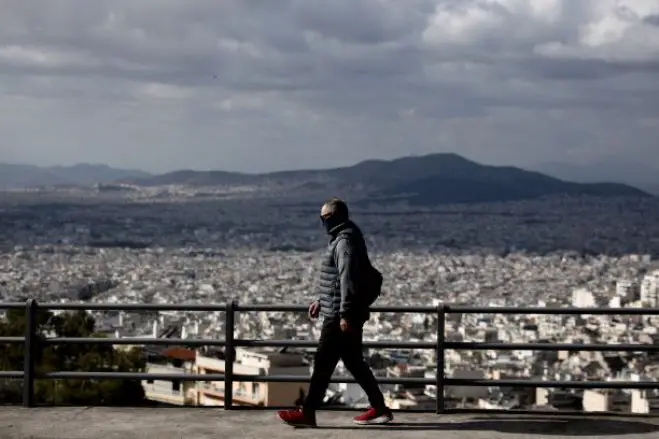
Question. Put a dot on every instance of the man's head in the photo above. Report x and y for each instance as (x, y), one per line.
(333, 213)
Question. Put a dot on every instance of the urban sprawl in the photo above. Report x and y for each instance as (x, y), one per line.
(174, 246)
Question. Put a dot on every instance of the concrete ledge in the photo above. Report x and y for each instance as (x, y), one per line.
(201, 423)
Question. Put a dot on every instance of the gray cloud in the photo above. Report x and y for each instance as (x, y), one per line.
(257, 84)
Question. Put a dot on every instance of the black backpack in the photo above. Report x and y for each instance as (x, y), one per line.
(372, 285)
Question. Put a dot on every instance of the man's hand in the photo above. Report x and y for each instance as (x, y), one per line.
(345, 325)
(314, 309)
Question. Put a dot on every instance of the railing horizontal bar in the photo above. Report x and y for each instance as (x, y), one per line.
(272, 308)
(405, 309)
(11, 374)
(135, 341)
(305, 308)
(216, 377)
(131, 376)
(132, 306)
(311, 343)
(565, 384)
(305, 378)
(12, 305)
(458, 309)
(552, 347)
(383, 344)
(8, 340)
(449, 309)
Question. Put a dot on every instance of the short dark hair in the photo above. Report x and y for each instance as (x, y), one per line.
(338, 207)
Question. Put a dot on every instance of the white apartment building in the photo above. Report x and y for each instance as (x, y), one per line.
(178, 361)
(582, 298)
(172, 392)
(644, 402)
(211, 393)
(650, 289)
(605, 400)
(252, 362)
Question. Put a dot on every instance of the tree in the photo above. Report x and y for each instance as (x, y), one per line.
(86, 357)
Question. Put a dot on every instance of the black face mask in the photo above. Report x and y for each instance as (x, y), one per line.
(330, 222)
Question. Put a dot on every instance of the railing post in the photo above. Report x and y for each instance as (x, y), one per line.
(439, 376)
(29, 348)
(229, 351)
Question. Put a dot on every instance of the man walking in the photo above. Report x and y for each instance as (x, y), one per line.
(344, 313)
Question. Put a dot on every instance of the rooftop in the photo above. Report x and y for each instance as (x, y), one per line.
(166, 423)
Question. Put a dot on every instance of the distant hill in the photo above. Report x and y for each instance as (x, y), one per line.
(188, 177)
(490, 184)
(429, 179)
(14, 176)
(642, 175)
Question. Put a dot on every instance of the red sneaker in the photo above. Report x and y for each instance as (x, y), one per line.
(296, 418)
(374, 417)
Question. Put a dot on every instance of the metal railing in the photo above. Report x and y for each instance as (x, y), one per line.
(32, 342)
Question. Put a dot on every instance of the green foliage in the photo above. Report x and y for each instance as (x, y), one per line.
(69, 357)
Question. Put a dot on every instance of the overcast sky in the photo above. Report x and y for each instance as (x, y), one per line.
(275, 84)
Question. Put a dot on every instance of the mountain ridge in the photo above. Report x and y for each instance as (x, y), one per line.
(425, 179)
(19, 176)
(421, 179)
(620, 169)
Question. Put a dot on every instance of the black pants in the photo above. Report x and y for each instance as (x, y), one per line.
(333, 345)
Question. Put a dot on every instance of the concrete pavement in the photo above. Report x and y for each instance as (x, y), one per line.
(202, 423)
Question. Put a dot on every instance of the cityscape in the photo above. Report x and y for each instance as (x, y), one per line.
(77, 244)
(183, 191)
